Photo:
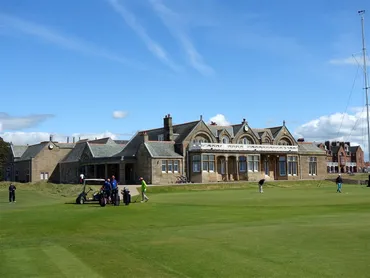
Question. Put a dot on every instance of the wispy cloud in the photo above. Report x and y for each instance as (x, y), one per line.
(119, 114)
(173, 22)
(353, 60)
(8, 122)
(155, 48)
(72, 43)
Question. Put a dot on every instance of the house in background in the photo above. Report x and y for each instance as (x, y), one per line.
(37, 162)
(341, 157)
(93, 158)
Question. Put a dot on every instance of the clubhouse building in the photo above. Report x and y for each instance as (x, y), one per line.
(196, 151)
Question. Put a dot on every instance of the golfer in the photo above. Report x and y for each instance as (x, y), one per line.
(143, 190)
(339, 182)
(114, 186)
(260, 185)
(107, 187)
(12, 189)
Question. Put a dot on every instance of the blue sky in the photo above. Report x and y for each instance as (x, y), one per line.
(66, 66)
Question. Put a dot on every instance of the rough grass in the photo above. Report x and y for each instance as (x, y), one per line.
(292, 230)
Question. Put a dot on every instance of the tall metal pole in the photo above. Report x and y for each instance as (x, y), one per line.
(365, 79)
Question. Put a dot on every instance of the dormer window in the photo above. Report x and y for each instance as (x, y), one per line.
(245, 141)
(225, 140)
(160, 137)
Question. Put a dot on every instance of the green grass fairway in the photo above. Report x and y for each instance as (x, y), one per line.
(292, 231)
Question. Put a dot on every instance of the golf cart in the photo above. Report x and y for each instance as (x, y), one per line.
(96, 196)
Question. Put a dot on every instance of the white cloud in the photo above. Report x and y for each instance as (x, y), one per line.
(219, 119)
(119, 114)
(354, 60)
(23, 138)
(68, 42)
(152, 45)
(173, 22)
(8, 122)
(337, 127)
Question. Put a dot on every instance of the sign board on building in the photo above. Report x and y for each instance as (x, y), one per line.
(243, 147)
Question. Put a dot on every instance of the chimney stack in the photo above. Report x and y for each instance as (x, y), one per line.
(168, 129)
(145, 136)
(73, 138)
(51, 138)
(243, 121)
(67, 139)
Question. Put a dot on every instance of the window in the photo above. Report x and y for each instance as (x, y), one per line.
(245, 141)
(175, 166)
(312, 166)
(292, 166)
(164, 166)
(44, 176)
(282, 166)
(208, 163)
(242, 164)
(169, 166)
(253, 163)
(196, 163)
(225, 140)
(160, 137)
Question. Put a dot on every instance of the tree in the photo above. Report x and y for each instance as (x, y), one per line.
(4, 155)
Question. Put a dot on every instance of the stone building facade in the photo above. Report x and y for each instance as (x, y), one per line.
(194, 151)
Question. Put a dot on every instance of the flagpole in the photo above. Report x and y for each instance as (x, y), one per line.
(366, 85)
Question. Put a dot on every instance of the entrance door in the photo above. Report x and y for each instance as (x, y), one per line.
(223, 165)
(129, 173)
(266, 166)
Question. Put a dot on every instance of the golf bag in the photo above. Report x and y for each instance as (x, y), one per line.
(115, 197)
(126, 196)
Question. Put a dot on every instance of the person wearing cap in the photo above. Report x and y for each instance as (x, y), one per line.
(12, 189)
(339, 182)
(143, 190)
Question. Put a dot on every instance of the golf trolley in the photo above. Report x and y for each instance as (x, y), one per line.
(126, 196)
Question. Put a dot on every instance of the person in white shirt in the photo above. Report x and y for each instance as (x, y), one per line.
(82, 176)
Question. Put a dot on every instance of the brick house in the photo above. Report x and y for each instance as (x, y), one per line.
(341, 157)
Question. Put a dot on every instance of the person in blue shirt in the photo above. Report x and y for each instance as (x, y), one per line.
(114, 186)
(107, 187)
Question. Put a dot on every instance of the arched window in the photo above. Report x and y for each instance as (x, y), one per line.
(267, 140)
(225, 140)
(285, 142)
(201, 138)
(245, 140)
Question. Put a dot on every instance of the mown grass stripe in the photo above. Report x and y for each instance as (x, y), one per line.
(69, 264)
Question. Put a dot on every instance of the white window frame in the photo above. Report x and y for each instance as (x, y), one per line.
(164, 165)
(160, 137)
(175, 166)
(253, 163)
(312, 166)
(46, 175)
(208, 162)
(292, 165)
(169, 167)
(42, 176)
